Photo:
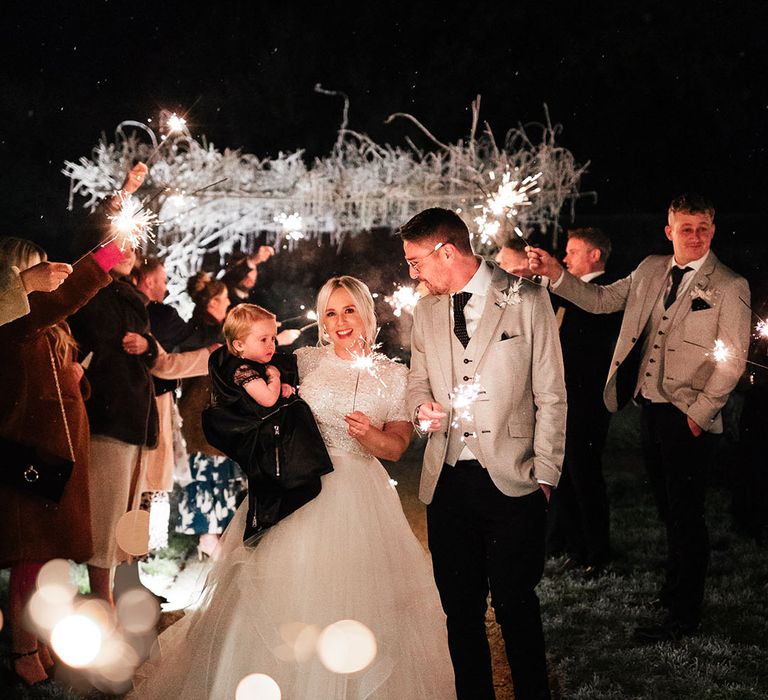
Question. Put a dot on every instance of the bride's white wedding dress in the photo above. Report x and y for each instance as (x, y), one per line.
(348, 554)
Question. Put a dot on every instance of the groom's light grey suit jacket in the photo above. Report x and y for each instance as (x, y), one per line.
(692, 380)
(518, 421)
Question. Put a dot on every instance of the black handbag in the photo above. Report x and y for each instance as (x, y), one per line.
(34, 470)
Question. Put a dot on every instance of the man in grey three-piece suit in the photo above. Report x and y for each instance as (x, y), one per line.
(488, 467)
(675, 308)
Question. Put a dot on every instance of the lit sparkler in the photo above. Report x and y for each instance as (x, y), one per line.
(721, 352)
(463, 398)
(761, 329)
(425, 425)
(404, 298)
(174, 125)
(133, 223)
(311, 315)
(505, 202)
(366, 362)
(292, 225)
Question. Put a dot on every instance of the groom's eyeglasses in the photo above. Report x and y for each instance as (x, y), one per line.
(415, 264)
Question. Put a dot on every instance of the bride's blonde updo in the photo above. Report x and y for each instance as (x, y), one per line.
(363, 301)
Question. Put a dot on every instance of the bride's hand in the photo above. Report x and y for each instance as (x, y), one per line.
(358, 424)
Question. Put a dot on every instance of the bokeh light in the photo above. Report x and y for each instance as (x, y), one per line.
(258, 686)
(76, 639)
(346, 646)
(58, 573)
(132, 532)
(138, 611)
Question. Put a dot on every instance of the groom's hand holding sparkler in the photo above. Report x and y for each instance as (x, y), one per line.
(430, 416)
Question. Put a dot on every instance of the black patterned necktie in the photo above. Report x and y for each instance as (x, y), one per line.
(460, 300)
(677, 277)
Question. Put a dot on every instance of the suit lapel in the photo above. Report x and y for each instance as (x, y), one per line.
(655, 288)
(492, 313)
(441, 336)
(701, 280)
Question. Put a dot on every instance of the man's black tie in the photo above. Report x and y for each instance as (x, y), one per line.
(460, 300)
(677, 276)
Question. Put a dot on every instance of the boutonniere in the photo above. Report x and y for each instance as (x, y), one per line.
(702, 298)
(512, 296)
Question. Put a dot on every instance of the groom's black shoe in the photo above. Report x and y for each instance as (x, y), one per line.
(670, 630)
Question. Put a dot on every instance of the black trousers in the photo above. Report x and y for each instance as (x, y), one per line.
(678, 465)
(481, 539)
(579, 520)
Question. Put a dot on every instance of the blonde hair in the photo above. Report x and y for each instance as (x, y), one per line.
(239, 321)
(360, 294)
(19, 253)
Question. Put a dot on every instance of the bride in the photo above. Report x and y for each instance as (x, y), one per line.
(347, 555)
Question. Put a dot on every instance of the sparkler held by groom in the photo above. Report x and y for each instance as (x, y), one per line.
(675, 308)
(486, 383)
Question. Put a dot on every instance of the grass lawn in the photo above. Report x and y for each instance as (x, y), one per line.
(588, 625)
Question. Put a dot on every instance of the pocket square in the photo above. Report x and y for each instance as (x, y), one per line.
(506, 336)
(699, 304)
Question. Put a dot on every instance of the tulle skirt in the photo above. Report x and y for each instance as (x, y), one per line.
(349, 554)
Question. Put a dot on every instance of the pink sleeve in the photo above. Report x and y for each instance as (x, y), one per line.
(108, 256)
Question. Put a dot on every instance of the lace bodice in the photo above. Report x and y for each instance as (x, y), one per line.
(327, 384)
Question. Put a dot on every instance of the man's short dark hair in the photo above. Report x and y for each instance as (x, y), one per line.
(692, 203)
(436, 225)
(594, 237)
(514, 242)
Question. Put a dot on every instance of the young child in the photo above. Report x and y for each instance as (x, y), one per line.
(256, 418)
(250, 332)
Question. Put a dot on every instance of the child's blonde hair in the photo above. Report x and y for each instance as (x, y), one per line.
(239, 320)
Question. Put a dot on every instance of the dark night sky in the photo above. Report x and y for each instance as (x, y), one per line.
(659, 98)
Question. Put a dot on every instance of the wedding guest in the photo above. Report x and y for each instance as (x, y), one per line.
(210, 500)
(168, 327)
(241, 273)
(114, 327)
(512, 257)
(675, 308)
(41, 405)
(579, 513)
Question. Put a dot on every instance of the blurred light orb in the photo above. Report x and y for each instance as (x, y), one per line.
(138, 611)
(258, 686)
(132, 532)
(48, 605)
(57, 572)
(116, 662)
(100, 612)
(346, 646)
(1, 619)
(77, 640)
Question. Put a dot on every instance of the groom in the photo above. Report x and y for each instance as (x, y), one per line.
(489, 466)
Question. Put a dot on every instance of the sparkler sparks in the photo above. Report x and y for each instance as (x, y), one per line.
(463, 398)
(404, 298)
(505, 203)
(176, 124)
(132, 224)
(720, 353)
(292, 225)
(761, 329)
